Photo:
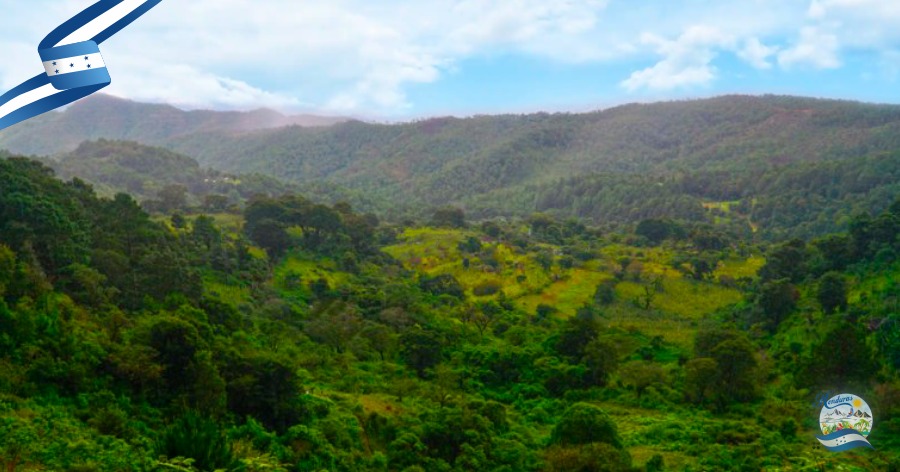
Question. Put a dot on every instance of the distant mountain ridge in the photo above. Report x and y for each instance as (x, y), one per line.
(108, 117)
(780, 165)
(793, 165)
(144, 171)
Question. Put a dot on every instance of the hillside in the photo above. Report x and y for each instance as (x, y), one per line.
(781, 166)
(105, 116)
(303, 336)
(150, 174)
(794, 166)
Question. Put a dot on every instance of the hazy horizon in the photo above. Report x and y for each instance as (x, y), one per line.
(398, 120)
(401, 60)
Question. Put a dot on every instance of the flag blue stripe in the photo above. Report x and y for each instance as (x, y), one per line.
(69, 50)
(31, 84)
(77, 85)
(127, 20)
(47, 104)
(77, 21)
(839, 434)
(831, 407)
(86, 78)
(849, 445)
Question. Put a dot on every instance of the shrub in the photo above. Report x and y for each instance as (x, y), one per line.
(490, 287)
(583, 423)
(200, 439)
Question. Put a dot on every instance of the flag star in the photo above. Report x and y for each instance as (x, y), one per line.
(85, 58)
(57, 71)
(89, 66)
(54, 63)
(71, 65)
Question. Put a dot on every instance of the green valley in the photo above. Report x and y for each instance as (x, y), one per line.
(286, 334)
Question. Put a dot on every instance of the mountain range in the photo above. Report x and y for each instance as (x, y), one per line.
(105, 116)
(786, 166)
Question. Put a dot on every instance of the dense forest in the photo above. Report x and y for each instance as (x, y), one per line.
(281, 333)
(780, 167)
(163, 180)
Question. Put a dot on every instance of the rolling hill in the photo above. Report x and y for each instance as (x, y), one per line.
(783, 166)
(144, 172)
(105, 116)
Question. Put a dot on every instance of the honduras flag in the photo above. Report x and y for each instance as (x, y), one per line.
(844, 440)
(73, 65)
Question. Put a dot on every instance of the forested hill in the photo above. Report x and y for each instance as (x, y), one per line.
(790, 166)
(160, 179)
(783, 166)
(105, 116)
(295, 336)
(166, 181)
(622, 164)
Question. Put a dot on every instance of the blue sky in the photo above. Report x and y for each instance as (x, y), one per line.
(403, 59)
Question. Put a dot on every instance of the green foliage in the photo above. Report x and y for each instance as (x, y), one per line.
(582, 424)
(576, 335)
(601, 359)
(777, 299)
(328, 230)
(449, 217)
(7, 268)
(364, 347)
(832, 292)
(842, 357)
(420, 349)
(163, 180)
(640, 375)
(734, 368)
(677, 160)
(787, 261)
(487, 288)
(605, 293)
(656, 231)
(597, 457)
(194, 437)
(444, 284)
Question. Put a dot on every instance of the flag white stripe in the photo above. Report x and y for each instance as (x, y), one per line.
(27, 99)
(102, 22)
(842, 440)
(69, 65)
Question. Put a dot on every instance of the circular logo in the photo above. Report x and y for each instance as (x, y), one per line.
(846, 411)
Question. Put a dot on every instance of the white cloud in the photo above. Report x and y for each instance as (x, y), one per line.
(815, 48)
(359, 56)
(859, 24)
(188, 87)
(757, 54)
(687, 61)
(354, 55)
(883, 9)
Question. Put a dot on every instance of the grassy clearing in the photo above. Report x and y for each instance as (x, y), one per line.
(232, 294)
(676, 306)
(427, 249)
(682, 297)
(633, 424)
(436, 251)
(568, 294)
(229, 221)
(724, 211)
(737, 268)
(384, 405)
(679, 332)
(295, 269)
